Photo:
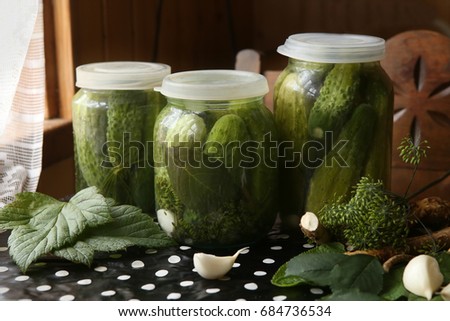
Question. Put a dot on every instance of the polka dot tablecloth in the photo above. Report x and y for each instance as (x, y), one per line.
(166, 274)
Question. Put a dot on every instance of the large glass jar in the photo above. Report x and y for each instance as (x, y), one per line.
(216, 174)
(114, 114)
(333, 107)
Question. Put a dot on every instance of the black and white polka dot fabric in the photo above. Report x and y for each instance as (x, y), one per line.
(166, 274)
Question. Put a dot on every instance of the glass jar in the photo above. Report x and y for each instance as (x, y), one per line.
(333, 106)
(114, 114)
(216, 174)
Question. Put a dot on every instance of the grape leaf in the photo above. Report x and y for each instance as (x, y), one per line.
(393, 288)
(54, 224)
(360, 272)
(314, 267)
(80, 252)
(129, 227)
(283, 279)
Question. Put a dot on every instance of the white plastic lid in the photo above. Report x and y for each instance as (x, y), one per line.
(333, 48)
(121, 75)
(214, 85)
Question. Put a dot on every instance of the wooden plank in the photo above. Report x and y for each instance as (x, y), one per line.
(145, 27)
(51, 77)
(88, 36)
(64, 56)
(119, 38)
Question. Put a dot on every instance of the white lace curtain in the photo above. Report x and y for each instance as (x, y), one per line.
(22, 96)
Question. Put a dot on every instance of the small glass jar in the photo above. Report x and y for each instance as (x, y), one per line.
(114, 114)
(216, 173)
(333, 107)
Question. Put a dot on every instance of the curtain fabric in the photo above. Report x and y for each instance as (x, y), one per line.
(22, 96)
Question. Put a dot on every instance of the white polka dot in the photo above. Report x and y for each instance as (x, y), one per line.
(174, 259)
(185, 248)
(236, 265)
(151, 251)
(68, 297)
(3, 269)
(62, 273)
(134, 300)
(44, 288)
(260, 273)
(3, 290)
(251, 286)
(212, 290)
(3, 249)
(115, 256)
(268, 261)
(108, 293)
(21, 278)
(308, 246)
(317, 291)
(161, 273)
(123, 277)
(276, 248)
(174, 296)
(186, 283)
(283, 236)
(241, 299)
(148, 287)
(137, 264)
(84, 282)
(101, 269)
(279, 298)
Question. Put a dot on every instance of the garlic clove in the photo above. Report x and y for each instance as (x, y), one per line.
(166, 220)
(445, 292)
(214, 267)
(422, 276)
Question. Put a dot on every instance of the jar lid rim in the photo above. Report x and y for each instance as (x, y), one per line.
(121, 75)
(333, 47)
(214, 84)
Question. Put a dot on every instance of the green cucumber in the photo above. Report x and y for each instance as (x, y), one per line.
(331, 181)
(336, 100)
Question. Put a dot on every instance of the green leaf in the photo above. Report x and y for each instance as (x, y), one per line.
(55, 224)
(393, 288)
(25, 206)
(444, 265)
(360, 272)
(129, 227)
(282, 279)
(80, 252)
(351, 295)
(314, 267)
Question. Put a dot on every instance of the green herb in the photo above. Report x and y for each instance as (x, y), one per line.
(88, 222)
(372, 219)
(412, 153)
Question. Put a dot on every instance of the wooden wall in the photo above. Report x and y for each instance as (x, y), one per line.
(196, 34)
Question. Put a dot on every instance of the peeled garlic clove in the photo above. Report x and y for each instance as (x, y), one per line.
(445, 292)
(422, 276)
(214, 267)
(166, 220)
